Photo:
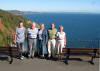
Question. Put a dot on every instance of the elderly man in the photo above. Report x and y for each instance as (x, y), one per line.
(51, 40)
(19, 38)
(32, 38)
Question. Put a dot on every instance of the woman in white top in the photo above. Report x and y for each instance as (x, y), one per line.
(61, 41)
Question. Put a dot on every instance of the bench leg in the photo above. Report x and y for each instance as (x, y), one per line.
(67, 57)
(8, 58)
(93, 56)
(91, 61)
(11, 61)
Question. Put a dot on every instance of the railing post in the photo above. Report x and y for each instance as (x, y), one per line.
(99, 43)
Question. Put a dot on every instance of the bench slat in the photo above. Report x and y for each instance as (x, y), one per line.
(79, 50)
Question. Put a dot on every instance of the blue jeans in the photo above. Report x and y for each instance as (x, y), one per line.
(20, 46)
(41, 47)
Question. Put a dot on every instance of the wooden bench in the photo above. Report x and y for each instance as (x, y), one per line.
(9, 52)
(13, 53)
(91, 52)
(4, 52)
(98, 53)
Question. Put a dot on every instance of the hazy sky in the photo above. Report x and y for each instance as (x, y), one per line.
(52, 5)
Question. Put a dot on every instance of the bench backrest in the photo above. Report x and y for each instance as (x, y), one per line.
(13, 51)
(4, 49)
(80, 50)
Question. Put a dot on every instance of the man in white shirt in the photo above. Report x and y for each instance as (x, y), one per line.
(32, 39)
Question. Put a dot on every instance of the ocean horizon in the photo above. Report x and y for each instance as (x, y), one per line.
(77, 26)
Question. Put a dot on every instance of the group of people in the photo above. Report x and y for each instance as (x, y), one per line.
(51, 40)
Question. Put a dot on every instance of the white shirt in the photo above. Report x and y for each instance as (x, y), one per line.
(61, 36)
(32, 33)
(40, 34)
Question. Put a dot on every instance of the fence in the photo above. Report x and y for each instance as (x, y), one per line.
(7, 41)
(83, 43)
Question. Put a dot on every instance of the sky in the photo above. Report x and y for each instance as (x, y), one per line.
(52, 5)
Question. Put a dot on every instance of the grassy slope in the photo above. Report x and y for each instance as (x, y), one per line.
(9, 23)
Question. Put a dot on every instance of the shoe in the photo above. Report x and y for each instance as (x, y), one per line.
(49, 56)
(29, 57)
(32, 57)
(42, 57)
(58, 59)
(21, 58)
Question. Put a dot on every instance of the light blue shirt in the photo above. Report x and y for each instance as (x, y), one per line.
(61, 36)
(32, 33)
(20, 34)
(40, 34)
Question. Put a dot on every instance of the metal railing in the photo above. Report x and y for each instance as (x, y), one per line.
(83, 43)
(7, 41)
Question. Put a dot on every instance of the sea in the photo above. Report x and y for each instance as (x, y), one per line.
(82, 29)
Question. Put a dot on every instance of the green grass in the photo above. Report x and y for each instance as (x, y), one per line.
(9, 23)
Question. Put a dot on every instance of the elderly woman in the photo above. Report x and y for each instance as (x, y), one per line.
(61, 41)
(42, 40)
